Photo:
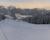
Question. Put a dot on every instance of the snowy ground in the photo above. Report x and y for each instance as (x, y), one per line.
(18, 30)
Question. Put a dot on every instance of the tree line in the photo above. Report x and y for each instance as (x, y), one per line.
(39, 16)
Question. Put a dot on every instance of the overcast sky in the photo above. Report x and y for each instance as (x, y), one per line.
(24, 1)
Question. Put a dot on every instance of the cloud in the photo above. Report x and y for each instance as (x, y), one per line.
(24, 1)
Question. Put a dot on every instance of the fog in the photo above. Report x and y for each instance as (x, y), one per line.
(19, 30)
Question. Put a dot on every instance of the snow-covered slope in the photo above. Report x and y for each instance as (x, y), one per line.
(18, 30)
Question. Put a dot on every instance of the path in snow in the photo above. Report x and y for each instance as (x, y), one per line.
(18, 30)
